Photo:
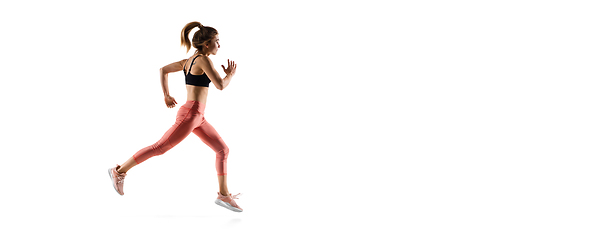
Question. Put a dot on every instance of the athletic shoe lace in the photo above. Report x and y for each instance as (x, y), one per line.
(236, 196)
(120, 177)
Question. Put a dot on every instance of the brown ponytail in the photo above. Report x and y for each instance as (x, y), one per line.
(203, 35)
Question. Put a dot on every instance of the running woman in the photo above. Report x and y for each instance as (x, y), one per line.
(199, 71)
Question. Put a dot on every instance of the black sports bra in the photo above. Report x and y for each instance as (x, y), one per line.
(195, 80)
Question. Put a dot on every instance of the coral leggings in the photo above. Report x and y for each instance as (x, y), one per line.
(188, 119)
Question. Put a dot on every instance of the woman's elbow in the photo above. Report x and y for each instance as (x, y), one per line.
(164, 70)
(219, 86)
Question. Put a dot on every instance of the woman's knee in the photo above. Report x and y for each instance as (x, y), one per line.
(223, 152)
(162, 147)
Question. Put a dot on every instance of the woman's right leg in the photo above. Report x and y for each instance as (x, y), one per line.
(187, 119)
(127, 165)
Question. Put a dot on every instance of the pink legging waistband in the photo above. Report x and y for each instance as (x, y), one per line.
(195, 105)
(189, 118)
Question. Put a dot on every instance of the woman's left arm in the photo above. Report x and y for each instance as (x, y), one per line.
(172, 67)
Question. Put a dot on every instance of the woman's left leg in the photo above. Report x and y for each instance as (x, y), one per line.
(208, 134)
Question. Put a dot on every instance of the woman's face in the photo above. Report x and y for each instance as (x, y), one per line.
(213, 45)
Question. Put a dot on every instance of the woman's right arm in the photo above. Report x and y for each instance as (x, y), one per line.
(220, 83)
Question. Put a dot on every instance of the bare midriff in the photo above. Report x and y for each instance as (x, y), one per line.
(196, 93)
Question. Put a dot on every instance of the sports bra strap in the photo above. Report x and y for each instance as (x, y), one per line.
(185, 64)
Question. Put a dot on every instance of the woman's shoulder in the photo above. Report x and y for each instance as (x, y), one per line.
(203, 59)
(201, 56)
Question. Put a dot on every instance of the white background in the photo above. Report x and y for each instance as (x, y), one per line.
(346, 119)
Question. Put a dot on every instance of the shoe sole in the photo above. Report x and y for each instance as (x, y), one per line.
(227, 206)
(112, 180)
